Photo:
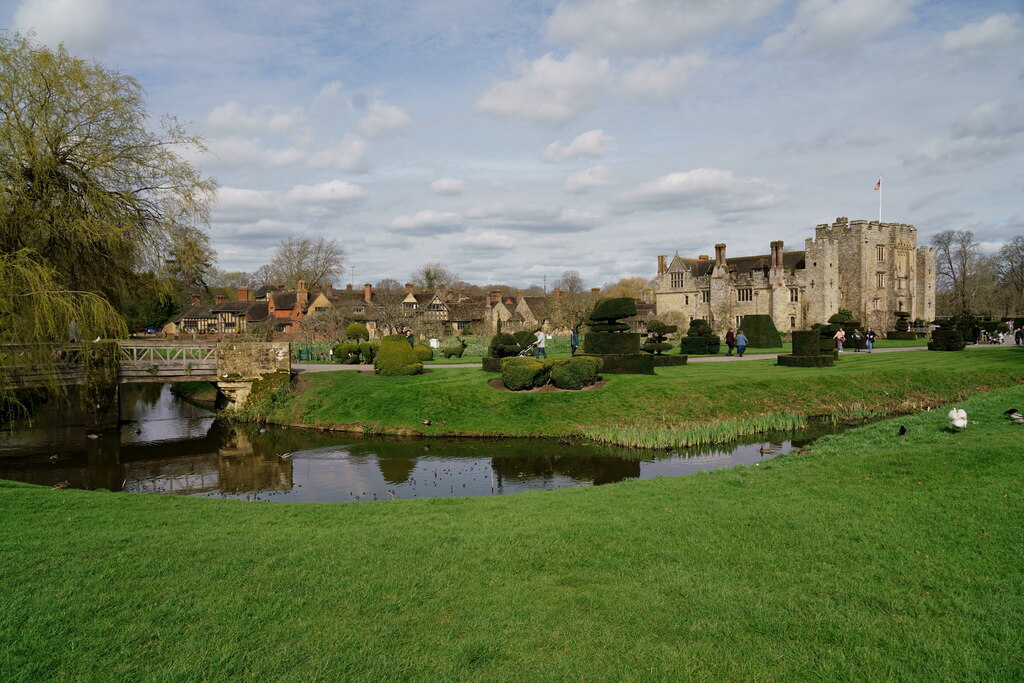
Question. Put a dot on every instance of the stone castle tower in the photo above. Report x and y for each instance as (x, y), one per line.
(872, 269)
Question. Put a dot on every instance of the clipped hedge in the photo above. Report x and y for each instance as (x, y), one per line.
(575, 373)
(455, 351)
(666, 361)
(702, 345)
(368, 350)
(346, 353)
(627, 364)
(491, 364)
(423, 352)
(947, 339)
(357, 331)
(610, 310)
(503, 345)
(618, 343)
(805, 343)
(520, 373)
(792, 361)
(760, 331)
(396, 358)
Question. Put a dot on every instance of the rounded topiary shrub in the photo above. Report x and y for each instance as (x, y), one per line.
(346, 353)
(396, 358)
(698, 328)
(394, 337)
(357, 331)
(368, 350)
(423, 352)
(656, 344)
(575, 373)
(503, 345)
(610, 310)
(522, 373)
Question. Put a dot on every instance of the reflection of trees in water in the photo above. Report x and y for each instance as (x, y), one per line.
(396, 470)
(147, 393)
(596, 469)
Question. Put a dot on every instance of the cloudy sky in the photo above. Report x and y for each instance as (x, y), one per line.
(515, 140)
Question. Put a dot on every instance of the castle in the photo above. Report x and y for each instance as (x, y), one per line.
(873, 269)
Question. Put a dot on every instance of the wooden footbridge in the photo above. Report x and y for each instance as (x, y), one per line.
(232, 365)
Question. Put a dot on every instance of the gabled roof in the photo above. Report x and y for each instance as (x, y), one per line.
(465, 311)
(194, 311)
(284, 300)
(742, 264)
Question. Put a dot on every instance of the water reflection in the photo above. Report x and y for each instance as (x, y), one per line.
(169, 446)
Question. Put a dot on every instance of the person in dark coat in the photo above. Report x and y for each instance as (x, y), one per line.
(730, 340)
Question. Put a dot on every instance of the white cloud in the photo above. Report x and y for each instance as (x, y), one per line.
(594, 143)
(713, 189)
(645, 27)
(428, 221)
(349, 155)
(264, 119)
(996, 31)
(486, 240)
(449, 186)
(331, 89)
(550, 91)
(237, 151)
(595, 176)
(838, 26)
(1000, 119)
(86, 27)
(660, 77)
(384, 120)
(539, 219)
(988, 133)
(333, 191)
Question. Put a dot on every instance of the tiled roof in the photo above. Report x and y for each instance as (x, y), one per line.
(194, 311)
(742, 264)
(465, 311)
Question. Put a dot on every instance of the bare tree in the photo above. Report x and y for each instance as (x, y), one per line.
(387, 304)
(388, 284)
(430, 275)
(1010, 273)
(571, 310)
(956, 260)
(571, 282)
(311, 260)
(627, 286)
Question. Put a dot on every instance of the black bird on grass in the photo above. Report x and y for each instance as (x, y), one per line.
(903, 430)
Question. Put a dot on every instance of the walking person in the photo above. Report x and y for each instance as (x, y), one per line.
(409, 337)
(870, 337)
(541, 344)
(741, 343)
(857, 338)
(574, 342)
(1017, 336)
(840, 337)
(730, 340)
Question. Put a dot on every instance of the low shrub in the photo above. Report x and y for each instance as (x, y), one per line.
(700, 345)
(394, 337)
(575, 373)
(503, 345)
(423, 352)
(669, 361)
(792, 361)
(368, 351)
(947, 339)
(396, 358)
(605, 343)
(627, 364)
(346, 353)
(522, 373)
(491, 364)
(699, 328)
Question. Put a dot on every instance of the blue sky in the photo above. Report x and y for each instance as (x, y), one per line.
(515, 140)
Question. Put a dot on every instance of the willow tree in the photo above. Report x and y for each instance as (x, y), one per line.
(86, 184)
(38, 318)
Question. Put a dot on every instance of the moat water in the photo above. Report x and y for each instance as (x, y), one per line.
(168, 445)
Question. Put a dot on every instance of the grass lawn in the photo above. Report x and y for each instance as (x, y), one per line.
(869, 557)
(859, 384)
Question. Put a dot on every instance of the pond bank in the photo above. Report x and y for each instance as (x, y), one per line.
(823, 563)
(678, 404)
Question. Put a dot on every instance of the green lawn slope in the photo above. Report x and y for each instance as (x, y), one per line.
(871, 557)
(859, 384)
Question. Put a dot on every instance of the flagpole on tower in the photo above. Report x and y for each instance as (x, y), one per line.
(878, 186)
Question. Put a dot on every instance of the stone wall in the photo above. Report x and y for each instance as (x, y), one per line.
(250, 360)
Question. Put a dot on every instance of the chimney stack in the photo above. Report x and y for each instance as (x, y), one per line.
(367, 292)
(243, 293)
(301, 295)
(219, 299)
(595, 290)
(330, 289)
(409, 288)
(702, 257)
(495, 296)
(519, 296)
(662, 263)
(195, 299)
(442, 291)
(348, 287)
(557, 292)
(720, 254)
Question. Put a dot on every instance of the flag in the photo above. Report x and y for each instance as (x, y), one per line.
(878, 185)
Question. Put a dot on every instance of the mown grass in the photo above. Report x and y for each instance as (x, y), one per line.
(871, 557)
(674, 399)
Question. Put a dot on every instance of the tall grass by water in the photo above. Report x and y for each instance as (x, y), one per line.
(689, 435)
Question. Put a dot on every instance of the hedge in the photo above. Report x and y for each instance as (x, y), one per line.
(618, 343)
(627, 364)
(760, 331)
(947, 339)
(610, 310)
(368, 350)
(702, 345)
(396, 358)
(575, 373)
(491, 364)
(503, 345)
(806, 343)
(346, 353)
(423, 352)
(520, 373)
(663, 361)
(792, 361)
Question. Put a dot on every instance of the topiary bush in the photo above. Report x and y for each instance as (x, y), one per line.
(947, 339)
(503, 345)
(346, 353)
(611, 343)
(657, 343)
(423, 352)
(394, 337)
(760, 331)
(700, 345)
(368, 350)
(396, 358)
(575, 373)
(455, 351)
(609, 311)
(522, 373)
(357, 331)
(698, 328)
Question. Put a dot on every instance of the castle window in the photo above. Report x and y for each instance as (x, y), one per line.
(792, 321)
(881, 254)
(687, 297)
(705, 296)
(880, 280)
(677, 279)
(877, 306)
(739, 321)
(794, 294)
(745, 294)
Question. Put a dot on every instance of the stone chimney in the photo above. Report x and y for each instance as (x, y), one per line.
(243, 293)
(219, 299)
(556, 292)
(367, 292)
(301, 295)
(442, 291)
(720, 254)
(495, 296)
(330, 289)
(662, 263)
(195, 299)
(409, 288)
(595, 290)
(519, 296)
(348, 287)
(702, 257)
(777, 254)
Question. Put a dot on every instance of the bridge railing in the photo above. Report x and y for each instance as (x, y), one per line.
(143, 360)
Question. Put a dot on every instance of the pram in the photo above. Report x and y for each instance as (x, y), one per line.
(527, 350)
